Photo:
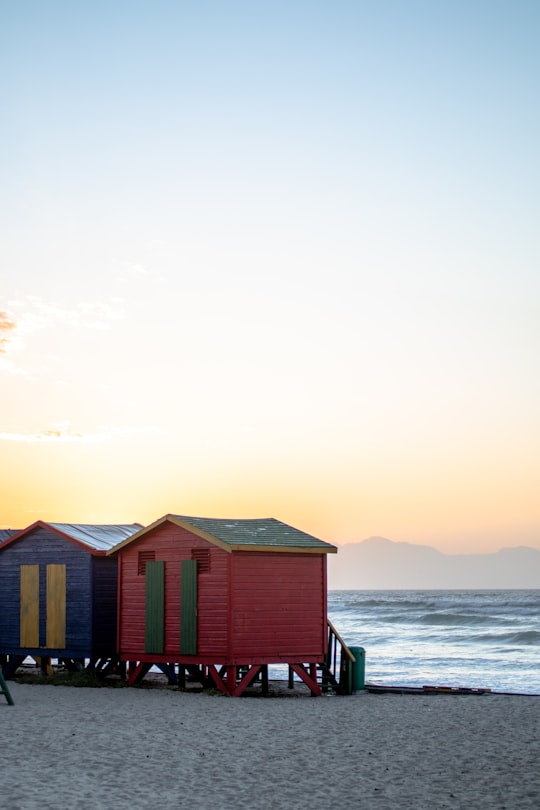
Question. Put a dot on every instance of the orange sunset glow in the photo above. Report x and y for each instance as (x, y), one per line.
(252, 269)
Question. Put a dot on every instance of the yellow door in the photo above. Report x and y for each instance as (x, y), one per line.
(56, 606)
(29, 616)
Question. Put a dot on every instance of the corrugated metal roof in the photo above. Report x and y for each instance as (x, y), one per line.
(6, 533)
(101, 538)
(255, 532)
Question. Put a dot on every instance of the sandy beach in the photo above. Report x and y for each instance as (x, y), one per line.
(159, 747)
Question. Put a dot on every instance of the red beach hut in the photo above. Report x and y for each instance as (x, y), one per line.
(222, 598)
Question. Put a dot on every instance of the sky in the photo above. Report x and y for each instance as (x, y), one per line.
(272, 259)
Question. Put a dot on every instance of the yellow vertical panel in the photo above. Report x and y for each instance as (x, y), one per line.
(56, 606)
(29, 615)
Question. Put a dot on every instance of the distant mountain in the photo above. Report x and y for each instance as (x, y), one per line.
(384, 564)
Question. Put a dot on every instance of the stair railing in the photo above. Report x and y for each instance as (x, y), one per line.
(338, 667)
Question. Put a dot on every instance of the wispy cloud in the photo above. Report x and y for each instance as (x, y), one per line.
(134, 272)
(64, 434)
(39, 314)
(134, 269)
(23, 318)
(34, 314)
(7, 327)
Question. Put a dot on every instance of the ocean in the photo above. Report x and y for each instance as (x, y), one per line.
(473, 639)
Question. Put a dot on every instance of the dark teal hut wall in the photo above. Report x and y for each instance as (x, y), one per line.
(104, 606)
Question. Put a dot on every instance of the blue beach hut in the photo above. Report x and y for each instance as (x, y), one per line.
(58, 594)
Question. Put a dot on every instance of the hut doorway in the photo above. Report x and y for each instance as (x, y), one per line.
(55, 606)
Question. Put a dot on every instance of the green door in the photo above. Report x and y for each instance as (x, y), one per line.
(188, 607)
(155, 606)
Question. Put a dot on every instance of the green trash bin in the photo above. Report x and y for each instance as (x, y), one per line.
(358, 668)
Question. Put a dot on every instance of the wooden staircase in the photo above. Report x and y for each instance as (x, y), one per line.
(336, 673)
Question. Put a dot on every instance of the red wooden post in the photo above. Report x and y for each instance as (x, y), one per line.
(216, 677)
(231, 679)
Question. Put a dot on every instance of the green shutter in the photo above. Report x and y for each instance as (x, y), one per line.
(188, 608)
(155, 606)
